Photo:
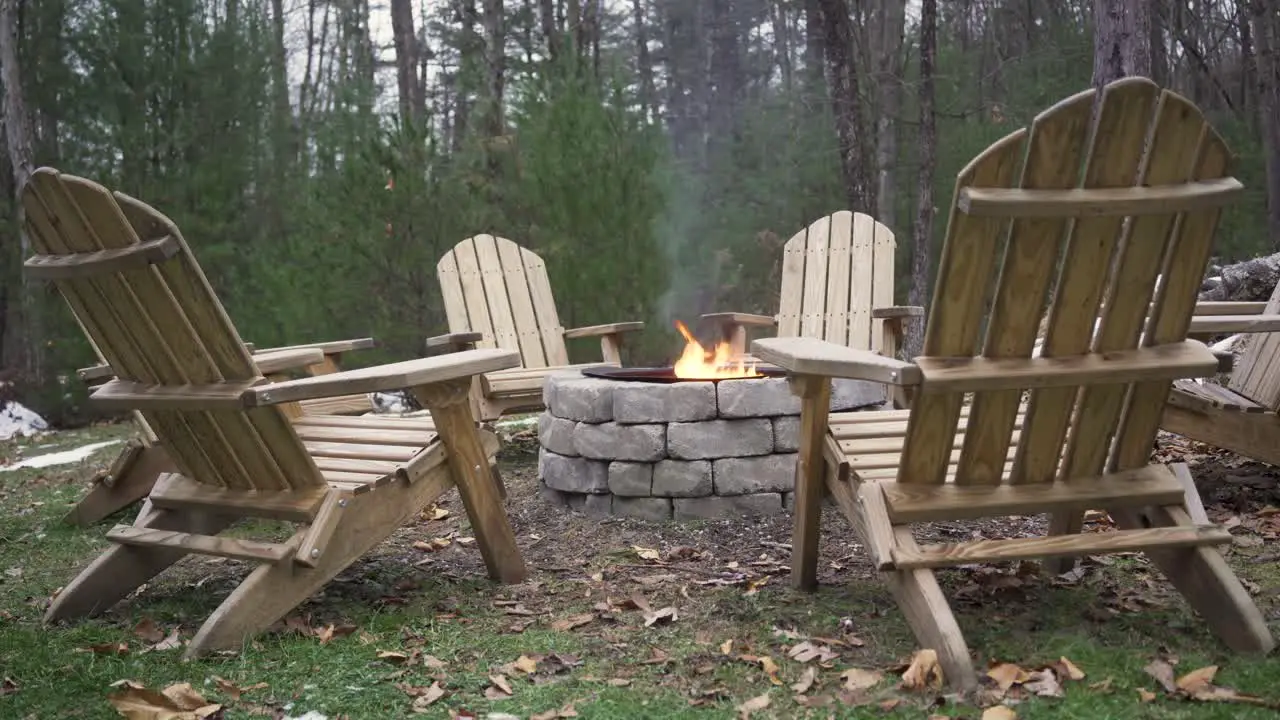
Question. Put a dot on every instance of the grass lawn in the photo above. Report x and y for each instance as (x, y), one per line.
(414, 629)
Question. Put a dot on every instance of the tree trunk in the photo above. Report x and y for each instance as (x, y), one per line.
(1121, 41)
(1266, 38)
(1248, 65)
(813, 62)
(782, 44)
(466, 11)
(842, 86)
(1159, 51)
(18, 142)
(891, 17)
(547, 16)
(644, 65)
(495, 65)
(412, 102)
(922, 238)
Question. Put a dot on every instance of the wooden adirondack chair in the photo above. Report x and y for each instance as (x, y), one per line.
(241, 444)
(1242, 416)
(972, 445)
(143, 460)
(497, 294)
(837, 284)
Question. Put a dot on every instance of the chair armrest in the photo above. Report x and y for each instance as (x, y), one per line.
(382, 378)
(1230, 307)
(334, 347)
(1214, 324)
(274, 361)
(811, 356)
(897, 311)
(89, 375)
(267, 362)
(598, 330)
(745, 319)
(458, 341)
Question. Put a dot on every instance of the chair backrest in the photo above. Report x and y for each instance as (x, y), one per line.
(1016, 249)
(494, 287)
(1257, 373)
(138, 292)
(833, 273)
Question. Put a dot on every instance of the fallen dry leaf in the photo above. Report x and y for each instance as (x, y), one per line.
(172, 641)
(645, 553)
(1072, 672)
(233, 691)
(726, 647)
(1197, 680)
(107, 649)
(759, 702)
(1006, 675)
(667, 613)
(1043, 683)
(526, 664)
(8, 686)
(857, 679)
(1146, 695)
(807, 651)
(573, 621)
(395, 657)
(923, 672)
(771, 669)
(1162, 671)
(148, 631)
(176, 702)
(999, 712)
(806, 680)
(437, 513)
(565, 712)
(617, 682)
(500, 689)
(427, 697)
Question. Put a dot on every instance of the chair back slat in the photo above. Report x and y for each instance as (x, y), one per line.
(160, 324)
(494, 287)
(1257, 372)
(999, 277)
(833, 273)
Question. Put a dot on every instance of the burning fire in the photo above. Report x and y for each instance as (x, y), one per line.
(696, 363)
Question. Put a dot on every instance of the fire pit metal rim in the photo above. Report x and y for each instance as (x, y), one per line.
(665, 375)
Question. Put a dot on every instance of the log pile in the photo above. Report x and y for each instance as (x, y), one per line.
(1249, 281)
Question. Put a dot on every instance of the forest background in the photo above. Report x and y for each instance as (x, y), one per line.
(321, 155)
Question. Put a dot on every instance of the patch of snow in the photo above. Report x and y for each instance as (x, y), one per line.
(65, 457)
(17, 419)
(388, 403)
(1225, 345)
(308, 715)
(522, 422)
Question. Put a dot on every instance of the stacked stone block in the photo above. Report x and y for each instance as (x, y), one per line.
(684, 450)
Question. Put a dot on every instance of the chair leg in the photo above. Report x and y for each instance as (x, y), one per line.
(131, 480)
(810, 479)
(1203, 577)
(1063, 522)
(929, 614)
(498, 481)
(451, 412)
(273, 589)
(121, 569)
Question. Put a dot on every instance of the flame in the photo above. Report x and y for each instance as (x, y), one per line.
(696, 363)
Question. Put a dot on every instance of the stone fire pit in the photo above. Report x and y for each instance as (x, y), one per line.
(697, 449)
